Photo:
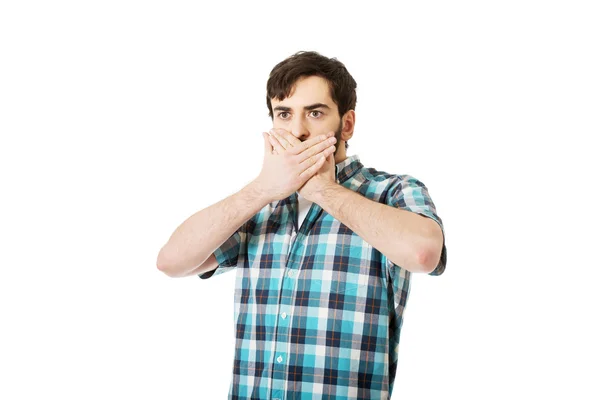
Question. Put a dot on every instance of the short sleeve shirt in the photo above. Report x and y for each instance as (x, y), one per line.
(318, 310)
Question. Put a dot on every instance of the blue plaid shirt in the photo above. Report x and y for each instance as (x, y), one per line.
(318, 315)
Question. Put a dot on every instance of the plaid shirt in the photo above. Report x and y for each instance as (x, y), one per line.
(318, 314)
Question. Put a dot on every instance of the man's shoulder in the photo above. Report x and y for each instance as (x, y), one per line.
(370, 175)
(379, 184)
(374, 184)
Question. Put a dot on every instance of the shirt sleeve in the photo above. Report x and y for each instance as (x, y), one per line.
(408, 193)
(230, 253)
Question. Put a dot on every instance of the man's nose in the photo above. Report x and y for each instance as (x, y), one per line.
(299, 129)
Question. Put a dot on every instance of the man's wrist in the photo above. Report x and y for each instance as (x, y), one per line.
(256, 190)
(324, 191)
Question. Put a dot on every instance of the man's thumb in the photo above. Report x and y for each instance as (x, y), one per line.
(268, 147)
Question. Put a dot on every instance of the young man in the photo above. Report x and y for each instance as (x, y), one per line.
(324, 248)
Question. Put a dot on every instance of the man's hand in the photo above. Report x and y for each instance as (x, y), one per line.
(286, 170)
(283, 141)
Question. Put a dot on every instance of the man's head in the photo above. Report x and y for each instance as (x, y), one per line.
(309, 94)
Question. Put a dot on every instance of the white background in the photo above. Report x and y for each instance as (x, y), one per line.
(120, 119)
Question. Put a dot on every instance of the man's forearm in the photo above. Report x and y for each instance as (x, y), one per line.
(201, 234)
(406, 238)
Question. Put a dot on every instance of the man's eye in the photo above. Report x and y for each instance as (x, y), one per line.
(283, 115)
(315, 114)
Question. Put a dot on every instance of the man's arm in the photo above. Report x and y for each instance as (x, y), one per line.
(191, 246)
(405, 238)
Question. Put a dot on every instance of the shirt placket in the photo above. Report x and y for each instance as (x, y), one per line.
(283, 331)
(291, 272)
(284, 318)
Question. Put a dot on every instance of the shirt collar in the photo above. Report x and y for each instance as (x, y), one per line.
(345, 169)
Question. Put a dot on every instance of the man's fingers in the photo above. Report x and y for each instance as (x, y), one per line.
(268, 147)
(310, 171)
(276, 145)
(315, 159)
(287, 136)
(303, 146)
(292, 144)
(284, 143)
(317, 148)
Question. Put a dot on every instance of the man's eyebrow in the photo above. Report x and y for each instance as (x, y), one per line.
(307, 108)
(316, 105)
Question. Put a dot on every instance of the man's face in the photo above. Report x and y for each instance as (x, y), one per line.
(309, 111)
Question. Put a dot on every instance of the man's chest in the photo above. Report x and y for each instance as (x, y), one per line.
(320, 256)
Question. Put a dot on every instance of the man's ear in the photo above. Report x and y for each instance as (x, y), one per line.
(348, 121)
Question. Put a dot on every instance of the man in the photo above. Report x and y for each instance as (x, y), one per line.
(324, 248)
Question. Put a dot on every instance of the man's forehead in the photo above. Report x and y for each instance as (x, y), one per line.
(307, 91)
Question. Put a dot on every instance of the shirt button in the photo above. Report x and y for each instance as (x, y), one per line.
(283, 315)
(291, 273)
(279, 359)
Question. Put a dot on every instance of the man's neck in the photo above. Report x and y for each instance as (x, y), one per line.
(340, 155)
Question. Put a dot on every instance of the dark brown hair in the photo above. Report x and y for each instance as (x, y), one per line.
(284, 75)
